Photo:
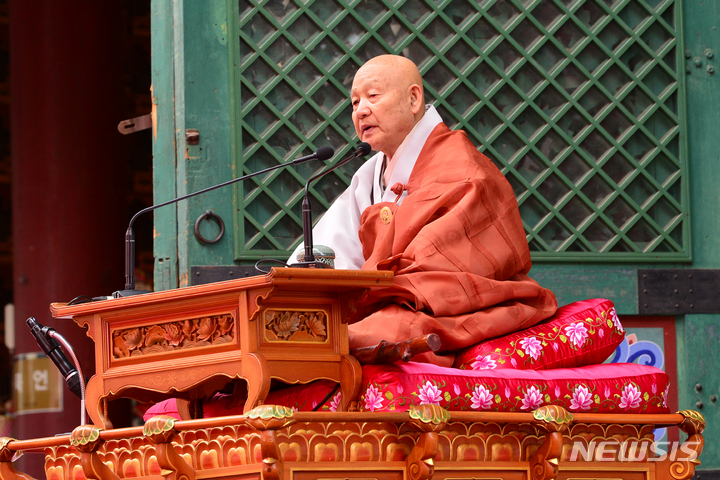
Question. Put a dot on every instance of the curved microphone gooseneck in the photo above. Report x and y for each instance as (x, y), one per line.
(309, 259)
(322, 153)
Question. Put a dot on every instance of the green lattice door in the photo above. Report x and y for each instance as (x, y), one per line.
(579, 102)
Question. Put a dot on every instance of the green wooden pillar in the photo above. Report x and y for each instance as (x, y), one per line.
(190, 85)
(699, 335)
(164, 106)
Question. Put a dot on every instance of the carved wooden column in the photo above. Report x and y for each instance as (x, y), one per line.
(554, 421)
(267, 419)
(683, 466)
(160, 430)
(86, 439)
(7, 471)
(428, 419)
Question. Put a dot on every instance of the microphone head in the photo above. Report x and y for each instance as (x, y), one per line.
(363, 149)
(324, 153)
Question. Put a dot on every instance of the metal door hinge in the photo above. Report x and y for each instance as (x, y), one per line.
(200, 275)
(678, 291)
(135, 124)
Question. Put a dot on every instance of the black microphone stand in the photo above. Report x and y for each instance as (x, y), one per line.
(47, 339)
(322, 153)
(309, 258)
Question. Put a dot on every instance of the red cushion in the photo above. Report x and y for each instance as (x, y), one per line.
(581, 333)
(166, 407)
(299, 397)
(608, 388)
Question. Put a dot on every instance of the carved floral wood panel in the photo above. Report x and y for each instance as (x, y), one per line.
(295, 326)
(326, 443)
(172, 336)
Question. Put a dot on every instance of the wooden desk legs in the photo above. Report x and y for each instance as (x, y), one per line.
(255, 370)
(350, 379)
(257, 373)
(96, 404)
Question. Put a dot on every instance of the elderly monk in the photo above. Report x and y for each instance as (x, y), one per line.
(439, 214)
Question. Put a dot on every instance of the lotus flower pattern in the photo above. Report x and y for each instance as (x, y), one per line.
(481, 398)
(373, 399)
(630, 398)
(429, 394)
(581, 333)
(484, 363)
(578, 333)
(316, 325)
(532, 347)
(296, 326)
(615, 320)
(532, 399)
(335, 402)
(397, 388)
(581, 399)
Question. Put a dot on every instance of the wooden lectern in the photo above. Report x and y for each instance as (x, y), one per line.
(290, 325)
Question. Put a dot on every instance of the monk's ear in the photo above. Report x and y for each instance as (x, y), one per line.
(416, 99)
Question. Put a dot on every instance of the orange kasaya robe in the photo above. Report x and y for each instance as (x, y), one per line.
(458, 249)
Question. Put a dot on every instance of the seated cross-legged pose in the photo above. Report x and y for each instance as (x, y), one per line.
(439, 214)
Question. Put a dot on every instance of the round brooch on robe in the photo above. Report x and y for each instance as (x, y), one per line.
(386, 215)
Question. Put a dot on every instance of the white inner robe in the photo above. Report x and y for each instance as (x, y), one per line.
(338, 228)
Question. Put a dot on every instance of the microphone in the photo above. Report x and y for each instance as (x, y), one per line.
(44, 338)
(309, 259)
(322, 153)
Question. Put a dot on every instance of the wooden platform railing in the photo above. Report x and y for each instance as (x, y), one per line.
(179, 459)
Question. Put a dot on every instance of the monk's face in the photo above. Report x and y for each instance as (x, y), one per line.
(386, 102)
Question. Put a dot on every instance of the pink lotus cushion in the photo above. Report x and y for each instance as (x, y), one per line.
(581, 333)
(608, 388)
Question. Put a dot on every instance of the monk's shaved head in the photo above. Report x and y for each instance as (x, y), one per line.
(401, 72)
(388, 101)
